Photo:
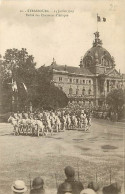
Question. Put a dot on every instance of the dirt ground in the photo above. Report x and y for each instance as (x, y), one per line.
(93, 154)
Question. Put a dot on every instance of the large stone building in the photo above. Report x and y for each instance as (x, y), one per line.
(92, 80)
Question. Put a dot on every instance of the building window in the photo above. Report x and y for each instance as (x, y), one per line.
(70, 91)
(83, 91)
(89, 91)
(77, 81)
(60, 79)
(70, 80)
(83, 81)
(86, 81)
(89, 81)
(77, 91)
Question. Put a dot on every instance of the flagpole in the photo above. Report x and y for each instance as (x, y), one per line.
(97, 21)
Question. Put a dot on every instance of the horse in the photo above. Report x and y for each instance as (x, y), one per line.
(15, 124)
(74, 121)
(68, 121)
(48, 125)
(57, 124)
(40, 127)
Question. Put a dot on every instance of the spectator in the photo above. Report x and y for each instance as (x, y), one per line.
(37, 186)
(87, 191)
(66, 188)
(76, 186)
(94, 186)
(114, 188)
(19, 187)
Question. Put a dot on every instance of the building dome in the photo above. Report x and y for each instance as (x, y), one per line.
(98, 55)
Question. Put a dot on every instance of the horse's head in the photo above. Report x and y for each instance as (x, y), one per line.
(10, 119)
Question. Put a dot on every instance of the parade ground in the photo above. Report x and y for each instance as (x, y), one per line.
(96, 155)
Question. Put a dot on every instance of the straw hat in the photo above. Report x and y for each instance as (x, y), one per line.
(19, 186)
(87, 191)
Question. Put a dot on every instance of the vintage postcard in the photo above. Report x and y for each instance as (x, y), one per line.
(62, 96)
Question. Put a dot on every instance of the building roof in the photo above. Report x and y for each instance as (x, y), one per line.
(123, 76)
(98, 52)
(71, 69)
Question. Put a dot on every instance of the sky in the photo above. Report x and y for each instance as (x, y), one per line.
(64, 38)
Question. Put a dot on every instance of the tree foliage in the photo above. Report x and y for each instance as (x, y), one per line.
(19, 66)
(116, 100)
(46, 94)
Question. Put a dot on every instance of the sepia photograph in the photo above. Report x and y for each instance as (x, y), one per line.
(62, 97)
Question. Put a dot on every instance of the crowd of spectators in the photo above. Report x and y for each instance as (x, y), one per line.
(69, 186)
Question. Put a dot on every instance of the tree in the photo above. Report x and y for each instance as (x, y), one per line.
(19, 66)
(44, 93)
(116, 100)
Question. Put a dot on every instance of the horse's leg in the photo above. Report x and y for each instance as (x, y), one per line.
(14, 130)
(46, 133)
(26, 129)
(18, 129)
(42, 130)
(23, 127)
(38, 130)
(51, 129)
(56, 126)
(32, 129)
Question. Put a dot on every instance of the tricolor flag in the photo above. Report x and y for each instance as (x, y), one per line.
(104, 19)
(99, 19)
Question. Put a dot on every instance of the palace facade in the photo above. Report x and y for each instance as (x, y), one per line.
(92, 80)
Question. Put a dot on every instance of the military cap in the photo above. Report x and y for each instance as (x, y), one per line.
(69, 171)
(37, 183)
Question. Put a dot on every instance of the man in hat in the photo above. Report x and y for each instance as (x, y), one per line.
(114, 188)
(94, 186)
(19, 187)
(37, 186)
(76, 186)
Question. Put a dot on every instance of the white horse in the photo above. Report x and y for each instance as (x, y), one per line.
(48, 126)
(15, 124)
(74, 121)
(23, 125)
(68, 121)
(57, 124)
(64, 123)
(40, 127)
